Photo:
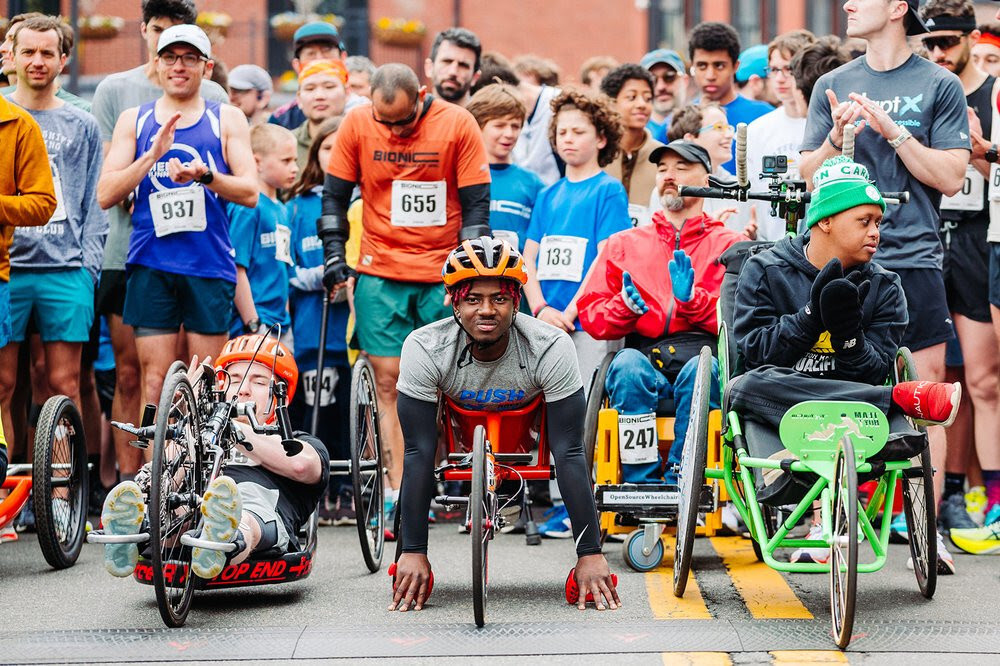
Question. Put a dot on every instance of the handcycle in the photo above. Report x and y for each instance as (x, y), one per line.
(56, 483)
(830, 444)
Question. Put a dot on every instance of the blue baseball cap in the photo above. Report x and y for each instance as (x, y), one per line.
(667, 56)
(316, 31)
(752, 61)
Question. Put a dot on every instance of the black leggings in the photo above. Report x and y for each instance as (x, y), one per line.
(564, 422)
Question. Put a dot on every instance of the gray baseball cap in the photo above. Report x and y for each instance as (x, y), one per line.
(250, 77)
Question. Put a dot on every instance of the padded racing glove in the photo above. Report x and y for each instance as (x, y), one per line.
(841, 310)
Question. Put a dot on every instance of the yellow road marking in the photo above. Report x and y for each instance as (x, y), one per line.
(764, 590)
(784, 657)
(696, 659)
(660, 592)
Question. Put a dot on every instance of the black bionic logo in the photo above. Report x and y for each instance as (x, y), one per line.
(397, 157)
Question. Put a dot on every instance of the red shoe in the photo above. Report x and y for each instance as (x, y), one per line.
(573, 592)
(430, 583)
(928, 403)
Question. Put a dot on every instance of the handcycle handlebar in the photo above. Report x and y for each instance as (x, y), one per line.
(736, 194)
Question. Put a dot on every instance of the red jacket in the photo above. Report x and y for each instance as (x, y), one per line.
(644, 253)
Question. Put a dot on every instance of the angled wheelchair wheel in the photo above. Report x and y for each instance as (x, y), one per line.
(691, 476)
(177, 482)
(597, 399)
(59, 482)
(844, 549)
(366, 465)
(480, 517)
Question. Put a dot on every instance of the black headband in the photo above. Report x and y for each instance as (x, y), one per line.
(963, 23)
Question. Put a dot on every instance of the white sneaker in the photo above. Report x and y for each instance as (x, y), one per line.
(812, 555)
(945, 563)
(222, 508)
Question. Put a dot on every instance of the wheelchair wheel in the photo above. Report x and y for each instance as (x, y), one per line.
(691, 476)
(176, 485)
(480, 518)
(596, 400)
(59, 482)
(635, 558)
(844, 549)
(176, 366)
(366, 465)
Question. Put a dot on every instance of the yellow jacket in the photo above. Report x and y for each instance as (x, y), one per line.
(27, 198)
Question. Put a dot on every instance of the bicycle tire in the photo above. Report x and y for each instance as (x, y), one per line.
(479, 529)
(366, 465)
(844, 565)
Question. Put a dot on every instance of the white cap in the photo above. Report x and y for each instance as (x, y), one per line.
(185, 33)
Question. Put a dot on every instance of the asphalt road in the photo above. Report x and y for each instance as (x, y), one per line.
(737, 611)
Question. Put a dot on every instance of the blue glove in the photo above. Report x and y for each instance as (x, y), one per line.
(633, 301)
(681, 276)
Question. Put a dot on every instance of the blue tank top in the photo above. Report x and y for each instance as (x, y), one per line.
(182, 229)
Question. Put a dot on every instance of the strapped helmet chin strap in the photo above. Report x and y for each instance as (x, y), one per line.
(465, 358)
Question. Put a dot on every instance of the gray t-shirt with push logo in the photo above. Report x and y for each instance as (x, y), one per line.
(540, 358)
(928, 100)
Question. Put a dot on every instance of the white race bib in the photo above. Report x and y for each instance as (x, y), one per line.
(179, 209)
(995, 182)
(60, 213)
(237, 457)
(637, 440)
(326, 389)
(419, 204)
(509, 236)
(970, 197)
(561, 258)
(639, 215)
(283, 244)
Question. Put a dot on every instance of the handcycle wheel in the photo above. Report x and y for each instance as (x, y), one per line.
(596, 400)
(481, 529)
(918, 499)
(176, 485)
(844, 549)
(59, 482)
(691, 475)
(635, 558)
(366, 465)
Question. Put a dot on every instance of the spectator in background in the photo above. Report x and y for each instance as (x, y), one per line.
(495, 69)
(10, 71)
(453, 66)
(986, 50)
(670, 83)
(630, 87)
(250, 89)
(815, 60)
(360, 71)
(322, 95)
(594, 69)
(714, 50)
(537, 70)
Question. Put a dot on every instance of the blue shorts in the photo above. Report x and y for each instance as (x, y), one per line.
(60, 302)
(994, 274)
(4, 313)
(163, 301)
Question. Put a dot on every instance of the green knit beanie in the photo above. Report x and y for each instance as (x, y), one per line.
(838, 185)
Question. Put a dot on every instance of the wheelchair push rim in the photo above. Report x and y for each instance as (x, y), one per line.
(59, 482)
(844, 544)
(366, 465)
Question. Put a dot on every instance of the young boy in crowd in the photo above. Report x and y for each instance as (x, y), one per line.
(500, 114)
(262, 237)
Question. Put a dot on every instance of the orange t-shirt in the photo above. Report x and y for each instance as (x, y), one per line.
(412, 214)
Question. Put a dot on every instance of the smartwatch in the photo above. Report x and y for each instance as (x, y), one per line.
(206, 177)
(991, 155)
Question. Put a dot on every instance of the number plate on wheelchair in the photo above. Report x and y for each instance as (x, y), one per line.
(637, 440)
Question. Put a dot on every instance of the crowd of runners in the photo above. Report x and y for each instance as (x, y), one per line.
(179, 209)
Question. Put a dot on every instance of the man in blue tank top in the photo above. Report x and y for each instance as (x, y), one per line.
(182, 159)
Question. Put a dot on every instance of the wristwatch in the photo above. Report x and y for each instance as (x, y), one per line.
(206, 177)
(253, 325)
(991, 154)
(903, 136)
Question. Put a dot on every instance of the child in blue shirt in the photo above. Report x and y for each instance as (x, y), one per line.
(513, 190)
(262, 237)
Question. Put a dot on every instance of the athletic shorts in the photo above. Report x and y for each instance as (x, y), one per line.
(163, 301)
(105, 381)
(4, 313)
(389, 310)
(263, 503)
(60, 302)
(111, 293)
(930, 320)
(967, 270)
(994, 250)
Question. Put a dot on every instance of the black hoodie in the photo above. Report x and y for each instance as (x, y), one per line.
(772, 328)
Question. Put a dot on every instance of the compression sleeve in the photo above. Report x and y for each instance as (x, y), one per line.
(564, 421)
(336, 199)
(418, 421)
(475, 200)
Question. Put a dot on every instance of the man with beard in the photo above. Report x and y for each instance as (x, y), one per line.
(453, 67)
(670, 81)
(630, 295)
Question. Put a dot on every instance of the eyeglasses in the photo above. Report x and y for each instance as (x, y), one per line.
(944, 42)
(774, 71)
(718, 127)
(667, 77)
(188, 59)
(398, 123)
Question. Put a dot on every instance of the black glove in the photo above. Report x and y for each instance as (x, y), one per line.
(335, 269)
(809, 316)
(840, 308)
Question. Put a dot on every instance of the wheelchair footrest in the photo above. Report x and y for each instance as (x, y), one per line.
(189, 539)
(448, 500)
(99, 537)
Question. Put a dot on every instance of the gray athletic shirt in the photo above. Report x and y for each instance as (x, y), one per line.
(113, 96)
(540, 358)
(928, 100)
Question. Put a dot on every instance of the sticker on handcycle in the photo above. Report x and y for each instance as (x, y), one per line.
(640, 497)
(637, 441)
(814, 429)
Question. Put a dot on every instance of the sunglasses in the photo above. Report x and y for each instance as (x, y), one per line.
(718, 127)
(944, 42)
(398, 123)
(667, 77)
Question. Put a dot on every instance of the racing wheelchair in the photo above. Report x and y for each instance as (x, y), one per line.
(55, 482)
(830, 446)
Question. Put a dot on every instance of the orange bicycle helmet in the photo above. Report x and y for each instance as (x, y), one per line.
(483, 257)
(265, 350)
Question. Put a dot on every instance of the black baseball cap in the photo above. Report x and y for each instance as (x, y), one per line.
(688, 150)
(915, 25)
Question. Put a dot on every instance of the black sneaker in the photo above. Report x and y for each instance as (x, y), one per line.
(952, 515)
(344, 514)
(26, 520)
